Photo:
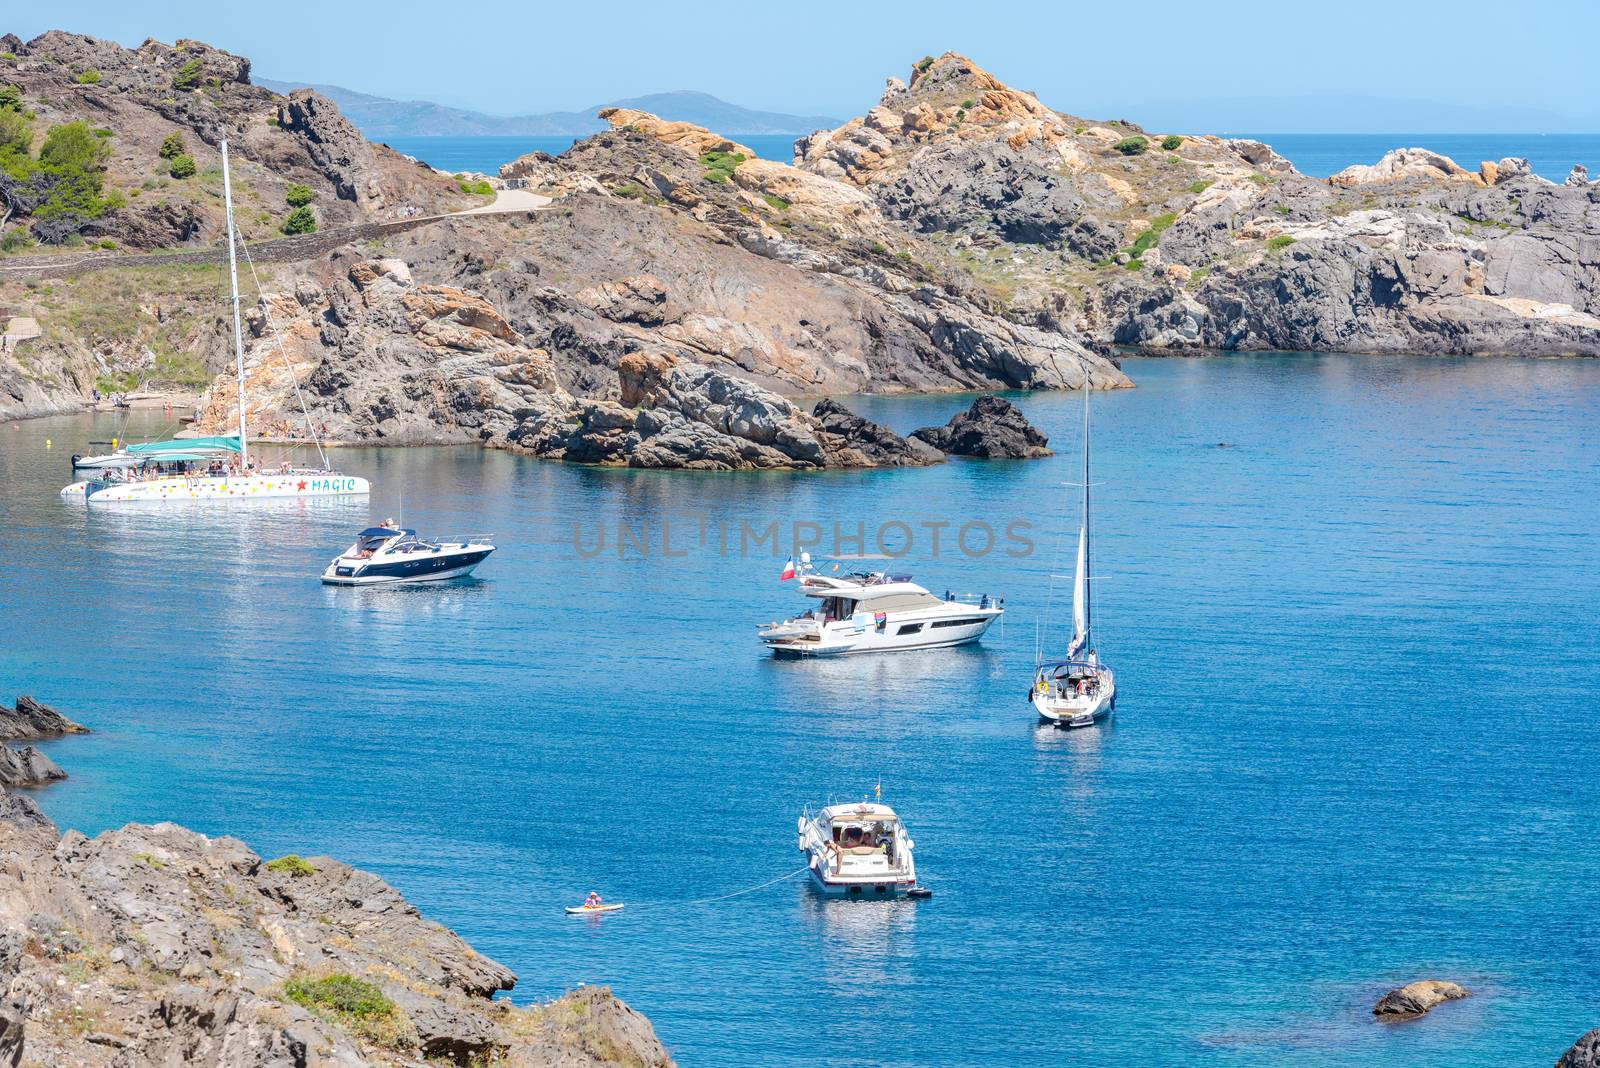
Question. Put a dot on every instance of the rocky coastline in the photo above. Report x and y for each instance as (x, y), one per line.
(154, 945)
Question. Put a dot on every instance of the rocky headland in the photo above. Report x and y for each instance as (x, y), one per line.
(680, 296)
(153, 945)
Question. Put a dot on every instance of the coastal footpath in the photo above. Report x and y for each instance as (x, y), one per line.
(679, 301)
(154, 945)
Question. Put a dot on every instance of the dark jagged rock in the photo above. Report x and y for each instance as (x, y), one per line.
(993, 428)
(1584, 1053)
(1416, 999)
(878, 445)
(32, 721)
(27, 767)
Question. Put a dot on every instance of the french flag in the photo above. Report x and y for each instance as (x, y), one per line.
(788, 570)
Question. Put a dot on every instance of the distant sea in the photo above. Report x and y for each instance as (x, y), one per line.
(1318, 155)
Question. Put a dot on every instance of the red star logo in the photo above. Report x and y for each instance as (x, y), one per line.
(302, 486)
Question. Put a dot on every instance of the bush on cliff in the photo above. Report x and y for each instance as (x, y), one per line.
(188, 76)
(173, 146)
(357, 1004)
(297, 194)
(1171, 143)
(1132, 146)
(89, 77)
(64, 190)
(301, 220)
(10, 98)
(182, 166)
(479, 188)
(292, 864)
(720, 165)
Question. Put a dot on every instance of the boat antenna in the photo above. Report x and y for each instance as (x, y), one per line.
(238, 333)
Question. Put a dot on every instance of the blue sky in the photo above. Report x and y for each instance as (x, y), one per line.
(1141, 60)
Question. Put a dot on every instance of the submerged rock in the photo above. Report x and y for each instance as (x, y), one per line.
(1585, 1053)
(1416, 999)
(993, 428)
(30, 721)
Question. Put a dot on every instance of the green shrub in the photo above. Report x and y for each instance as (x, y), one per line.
(103, 132)
(68, 179)
(188, 76)
(88, 77)
(182, 166)
(173, 146)
(720, 165)
(924, 63)
(968, 104)
(1202, 185)
(108, 244)
(292, 864)
(121, 382)
(301, 220)
(481, 187)
(1171, 142)
(1282, 241)
(880, 248)
(1260, 179)
(775, 201)
(1133, 265)
(1132, 146)
(297, 194)
(272, 120)
(10, 98)
(1198, 275)
(9, 57)
(355, 1003)
(15, 240)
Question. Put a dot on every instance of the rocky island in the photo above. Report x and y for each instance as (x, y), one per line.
(154, 945)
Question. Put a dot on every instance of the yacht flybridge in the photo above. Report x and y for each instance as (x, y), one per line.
(1079, 691)
(875, 612)
(858, 850)
(211, 468)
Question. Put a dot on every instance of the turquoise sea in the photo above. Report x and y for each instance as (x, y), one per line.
(1319, 155)
(1351, 604)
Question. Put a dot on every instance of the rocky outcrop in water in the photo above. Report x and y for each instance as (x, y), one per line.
(877, 445)
(1584, 1053)
(26, 766)
(1417, 999)
(993, 428)
(30, 720)
(154, 946)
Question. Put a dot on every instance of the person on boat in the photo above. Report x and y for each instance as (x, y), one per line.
(593, 901)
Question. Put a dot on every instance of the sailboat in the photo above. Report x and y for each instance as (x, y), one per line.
(209, 468)
(1080, 690)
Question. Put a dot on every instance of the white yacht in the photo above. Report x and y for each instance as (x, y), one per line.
(394, 554)
(1080, 690)
(858, 850)
(205, 469)
(875, 612)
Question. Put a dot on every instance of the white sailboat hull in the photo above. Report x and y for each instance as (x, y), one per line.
(211, 488)
(1076, 712)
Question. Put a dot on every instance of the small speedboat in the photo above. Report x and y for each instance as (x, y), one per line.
(858, 851)
(864, 611)
(394, 554)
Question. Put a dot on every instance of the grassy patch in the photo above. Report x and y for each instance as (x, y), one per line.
(1133, 265)
(720, 165)
(1261, 179)
(1197, 276)
(1152, 236)
(1201, 186)
(117, 382)
(292, 864)
(479, 188)
(355, 1003)
(89, 77)
(1279, 243)
(775, 201)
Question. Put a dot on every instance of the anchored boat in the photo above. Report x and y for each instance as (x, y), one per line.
(875, 612)
(858, 850)
(1079, 691)
(206, 469)
(394, 554)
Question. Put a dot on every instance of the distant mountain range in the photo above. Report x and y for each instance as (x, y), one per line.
(1340, 114)
(379, 117)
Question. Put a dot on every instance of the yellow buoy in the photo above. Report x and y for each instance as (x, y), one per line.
(47, 443)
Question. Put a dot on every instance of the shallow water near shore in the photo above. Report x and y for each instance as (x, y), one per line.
(1351, 604)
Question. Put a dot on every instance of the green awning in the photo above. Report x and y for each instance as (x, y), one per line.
(185, 448)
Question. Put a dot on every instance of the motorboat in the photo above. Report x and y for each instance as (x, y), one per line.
(391, 553)
(1080, 690)
(864, 611)
(858, 850)
(204, 468)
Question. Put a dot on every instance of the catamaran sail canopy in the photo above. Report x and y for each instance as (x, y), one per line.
(184, 448)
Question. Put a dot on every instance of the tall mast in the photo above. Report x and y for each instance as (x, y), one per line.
(238, 334)
(1088, 599)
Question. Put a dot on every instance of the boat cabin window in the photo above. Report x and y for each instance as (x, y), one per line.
(838, 608)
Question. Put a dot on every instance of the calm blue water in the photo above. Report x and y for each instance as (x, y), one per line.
(1319, 155)
(1355, 742)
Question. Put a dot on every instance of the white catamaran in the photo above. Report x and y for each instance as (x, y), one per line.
(208, 468)
(1079, 691)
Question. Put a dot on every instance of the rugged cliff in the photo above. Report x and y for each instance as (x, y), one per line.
(1171, 242)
